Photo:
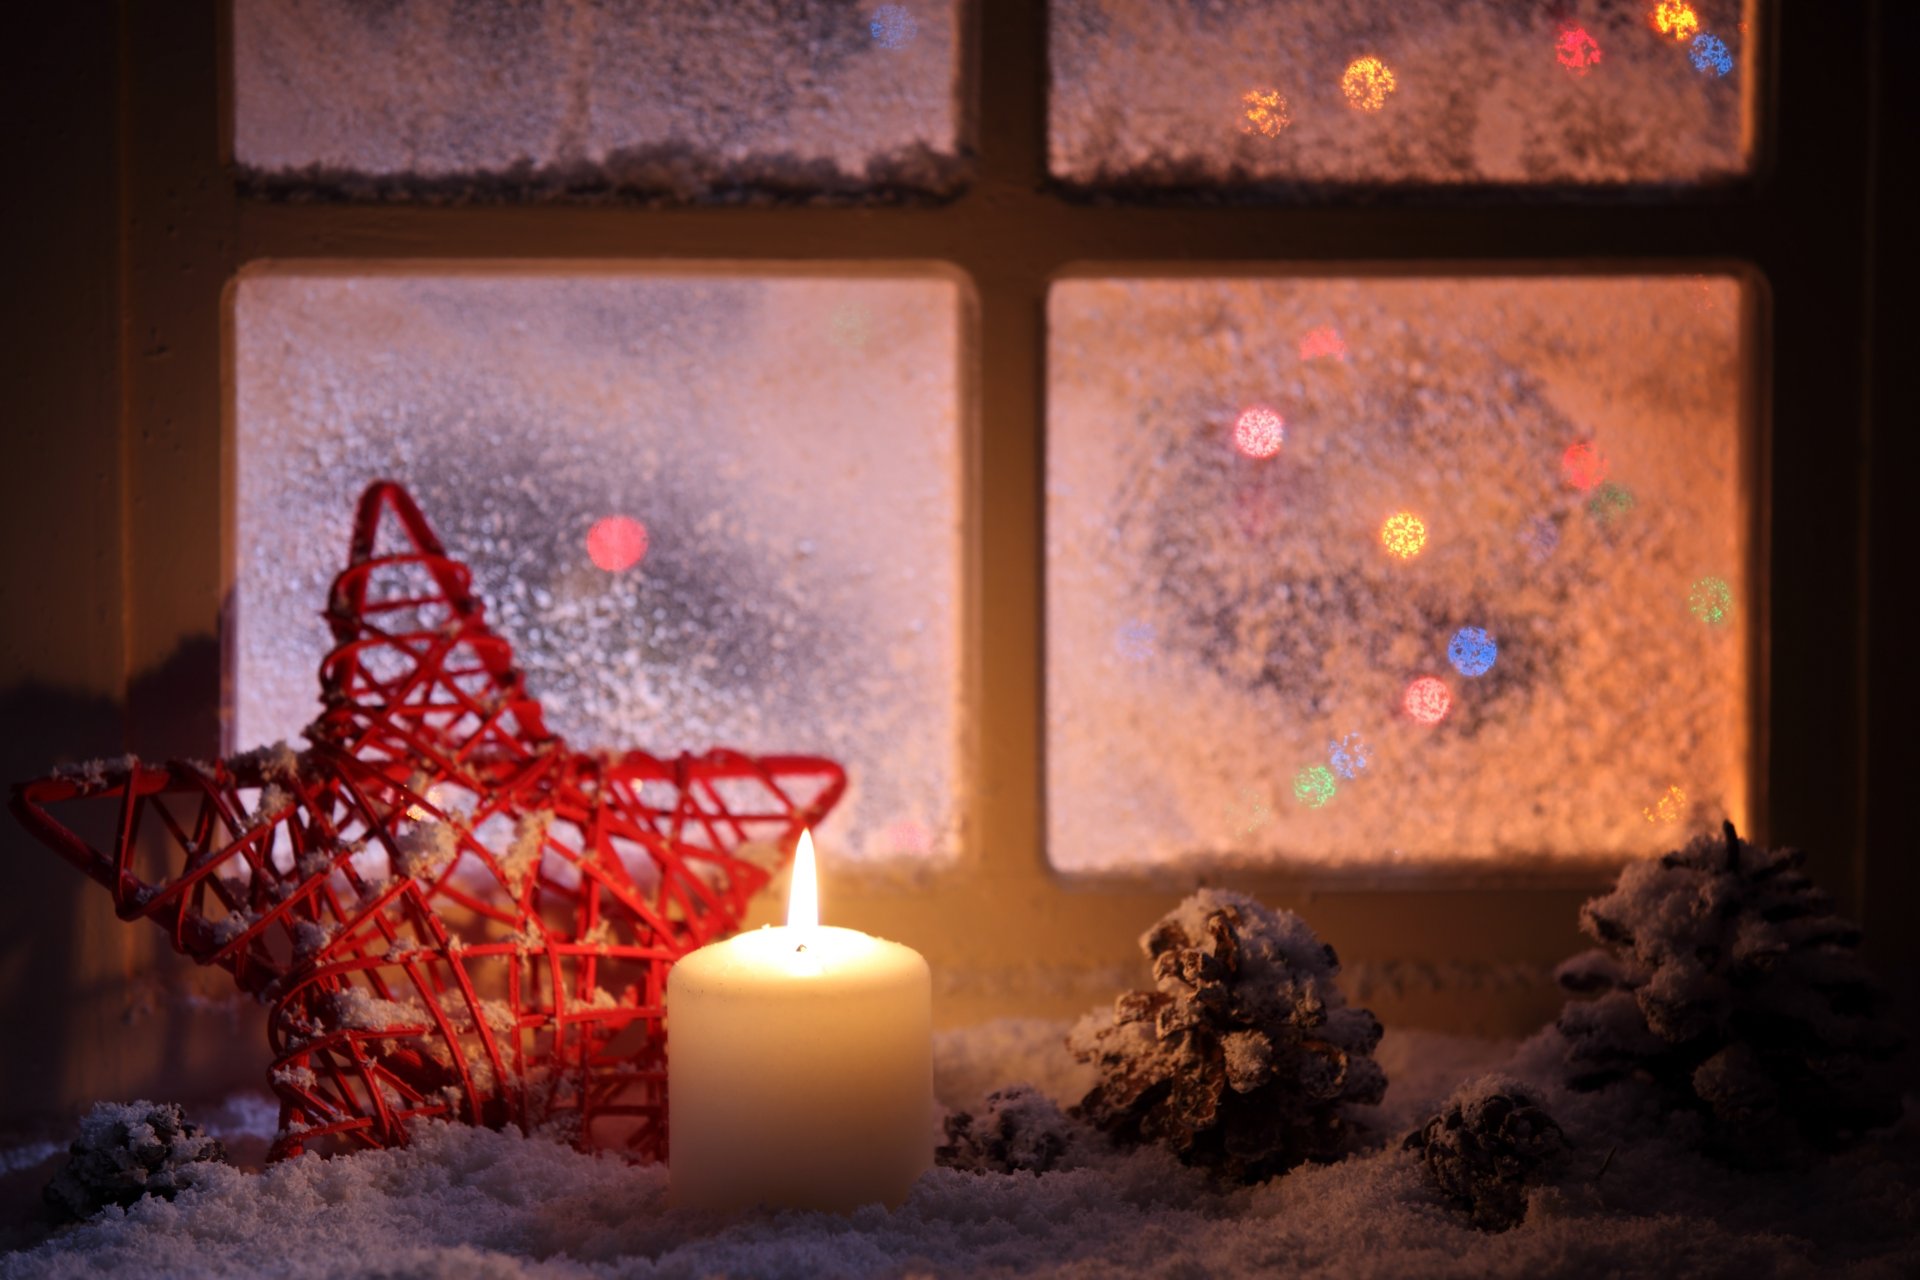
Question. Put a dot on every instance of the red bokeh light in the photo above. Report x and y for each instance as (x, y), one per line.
(1323, 343)
(1259, 432)
(1428, 700)
(617, 543)
(1583, 465)
(1577, 50)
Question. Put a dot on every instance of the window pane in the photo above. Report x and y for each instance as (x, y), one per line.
(790, 446)
(649, 98)
(1268, 95)
(1355, 572)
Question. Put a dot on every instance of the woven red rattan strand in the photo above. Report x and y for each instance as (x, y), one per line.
(449, 912)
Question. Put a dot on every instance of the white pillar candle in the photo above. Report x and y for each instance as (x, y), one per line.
(799, 1065)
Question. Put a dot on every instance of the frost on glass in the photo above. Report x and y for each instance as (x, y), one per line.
(1269, 95)
(676, 99)
(789, 446)
(1264, 650)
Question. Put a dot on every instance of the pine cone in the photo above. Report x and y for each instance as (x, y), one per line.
(1492, 1142)
(1018, 1129)
(126, 1151)
(1729, 982)
(1245, 1056)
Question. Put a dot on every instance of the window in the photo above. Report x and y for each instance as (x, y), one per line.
(1393, 571)
(1005, 931)
(1296, 98)
(706, 510)
(673, 99)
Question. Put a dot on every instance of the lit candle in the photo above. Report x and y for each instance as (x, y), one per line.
(799, 1065)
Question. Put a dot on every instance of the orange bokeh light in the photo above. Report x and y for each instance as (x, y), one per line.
(617, 543)
(1367, 82)
(1675, 19)
(1403, 535)
(1668, 808)
(1266, 112)
(1427, 700)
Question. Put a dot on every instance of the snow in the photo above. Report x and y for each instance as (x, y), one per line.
(801, 590)
(1152, 93)
(1279, 625)
(579, 98)
(462, 1202)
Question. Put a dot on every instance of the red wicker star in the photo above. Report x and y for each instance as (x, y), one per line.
(450, 913)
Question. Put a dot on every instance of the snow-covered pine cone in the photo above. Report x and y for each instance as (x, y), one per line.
(1245, 1056)
(1018, 1128)
(1491, 1142)
(1728, 981)
(129, 1150)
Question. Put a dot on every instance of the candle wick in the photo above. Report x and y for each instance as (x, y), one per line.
(801, 947)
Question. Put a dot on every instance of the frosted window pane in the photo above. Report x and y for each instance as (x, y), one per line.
(675, 98)
(1217, 621)
(1182, 95)
(790, 445)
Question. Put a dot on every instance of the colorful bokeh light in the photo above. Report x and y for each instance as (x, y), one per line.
(617, 543)
(1576, 50)
(907, 835)
(1610, 502)
(1134, 640)
(1313, 786)
(1710, 55)
(1323, 342)
(1427, 700)
(1259, 431)
(1367, 82)
(1710, 600)
(1542, 538)
(1252, 813)
(1675, 19)
(1583, 465)
(1403, 535)
(1472, 651)
(1668, 809)
(1264, 112)
(1349, 757)
(892, 27)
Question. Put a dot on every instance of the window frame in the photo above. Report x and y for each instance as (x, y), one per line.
(1004, 932)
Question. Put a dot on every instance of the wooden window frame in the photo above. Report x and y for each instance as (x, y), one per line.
(1005, 933)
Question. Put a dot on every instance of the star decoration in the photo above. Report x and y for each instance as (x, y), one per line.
(450, 913)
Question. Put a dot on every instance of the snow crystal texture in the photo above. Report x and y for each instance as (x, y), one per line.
(1152, 93)
(1219, 625)
(792, 447)
(587, 89)
(463, 1202)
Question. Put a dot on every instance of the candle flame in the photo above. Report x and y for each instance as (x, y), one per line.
(803, 898)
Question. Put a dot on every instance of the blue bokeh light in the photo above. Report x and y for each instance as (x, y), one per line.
(1134, 640)
(1710, 55)
(1472, 651)
(892, 27)
(1350, 756)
